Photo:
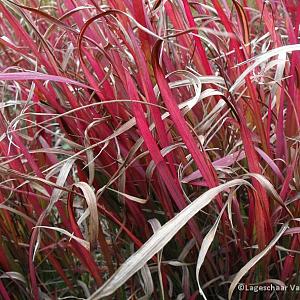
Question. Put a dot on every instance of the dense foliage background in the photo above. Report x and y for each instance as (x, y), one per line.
(149, 149)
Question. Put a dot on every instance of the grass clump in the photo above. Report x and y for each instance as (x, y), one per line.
(149, 149)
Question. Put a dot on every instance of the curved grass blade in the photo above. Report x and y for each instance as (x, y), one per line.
(252, 262)
(159, 239)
